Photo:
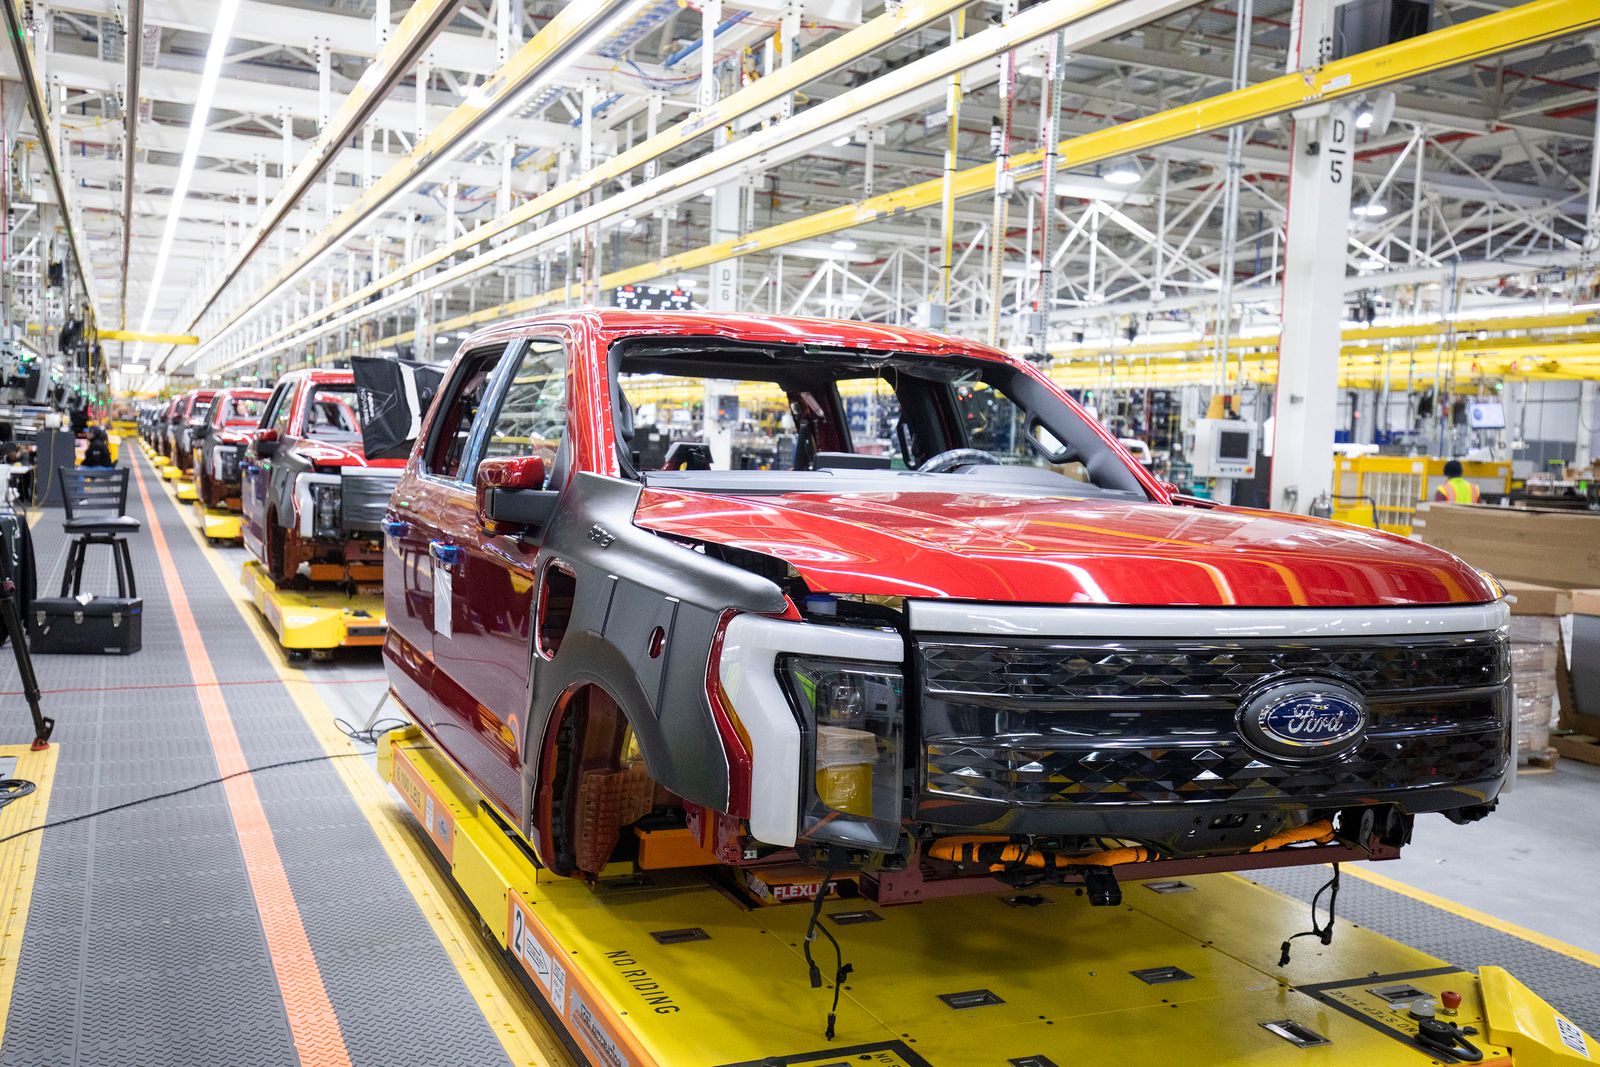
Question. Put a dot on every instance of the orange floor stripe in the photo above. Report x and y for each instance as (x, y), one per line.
(312, 1021)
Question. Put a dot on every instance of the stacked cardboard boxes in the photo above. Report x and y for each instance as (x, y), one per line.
(1550, 561)
(1536, 615)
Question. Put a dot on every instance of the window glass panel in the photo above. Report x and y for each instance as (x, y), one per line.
(533, 413)
(285, 402)
(454, 426)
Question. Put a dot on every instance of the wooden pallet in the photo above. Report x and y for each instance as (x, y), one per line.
(1584, 748)
(1544, 758)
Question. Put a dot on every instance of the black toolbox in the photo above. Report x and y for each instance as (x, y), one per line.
(102, 625)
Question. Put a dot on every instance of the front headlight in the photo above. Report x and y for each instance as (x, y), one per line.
(326, 504)
(854, 719)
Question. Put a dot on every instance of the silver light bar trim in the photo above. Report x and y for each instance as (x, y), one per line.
(1006, 620)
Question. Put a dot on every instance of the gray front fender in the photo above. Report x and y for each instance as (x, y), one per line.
(628, 582)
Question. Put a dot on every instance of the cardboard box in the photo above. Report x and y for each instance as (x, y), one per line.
(1586, 601)
(1555, 548)
(1540, 599)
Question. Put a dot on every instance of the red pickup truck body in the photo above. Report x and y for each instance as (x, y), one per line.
(945, 622)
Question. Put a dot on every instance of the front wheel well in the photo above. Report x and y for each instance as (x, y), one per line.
(593, 783)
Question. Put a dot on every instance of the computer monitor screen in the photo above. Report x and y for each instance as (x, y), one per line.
(1233, 444)
(1486, 415)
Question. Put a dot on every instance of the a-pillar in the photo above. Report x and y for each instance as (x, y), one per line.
(1306, 401)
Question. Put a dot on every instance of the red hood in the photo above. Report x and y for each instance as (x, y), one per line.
(334, 454)
(994, 547)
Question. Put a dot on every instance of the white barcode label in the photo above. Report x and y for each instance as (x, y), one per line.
(1572, 1037)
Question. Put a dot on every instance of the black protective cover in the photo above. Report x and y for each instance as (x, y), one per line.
(104, 626)
(391, 396)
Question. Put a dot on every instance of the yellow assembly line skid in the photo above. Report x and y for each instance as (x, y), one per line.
(669, 968)
(217, 524)
(316, 620)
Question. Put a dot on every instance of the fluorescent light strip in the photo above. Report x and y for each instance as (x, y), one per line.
(215, 55)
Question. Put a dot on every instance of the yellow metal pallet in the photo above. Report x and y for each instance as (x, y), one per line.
(218, 524)
(316, 620)
(170, 471)
(186, 492)
(657, 968)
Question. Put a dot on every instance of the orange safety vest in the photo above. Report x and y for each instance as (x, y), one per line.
(1459, 491)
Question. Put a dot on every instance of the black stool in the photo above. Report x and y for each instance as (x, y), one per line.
(95, 501)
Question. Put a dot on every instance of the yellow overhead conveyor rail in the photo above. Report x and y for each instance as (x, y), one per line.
(150, 338)
(1528, 24)
(1461, 328)
(1553, 361)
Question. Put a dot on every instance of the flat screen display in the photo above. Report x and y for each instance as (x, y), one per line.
(1233, 444)
(1486, 415)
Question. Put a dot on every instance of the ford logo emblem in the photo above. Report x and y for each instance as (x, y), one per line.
(1303, 719)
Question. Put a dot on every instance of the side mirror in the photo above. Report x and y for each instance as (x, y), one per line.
(511, 495)
(266, 443)
(201, 431)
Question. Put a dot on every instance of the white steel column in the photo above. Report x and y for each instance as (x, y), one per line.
(1305, 404)
(1586, 424)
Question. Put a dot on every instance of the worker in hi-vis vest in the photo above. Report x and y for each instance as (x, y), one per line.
(1456, 489)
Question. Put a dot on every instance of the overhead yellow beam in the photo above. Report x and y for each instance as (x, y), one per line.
(1463, 328)
(150, 338)
(1528, 24)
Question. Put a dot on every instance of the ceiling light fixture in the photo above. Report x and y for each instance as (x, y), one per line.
(1124, 174)
(840, 142)
(843, 245)
(1364, 117)
(1372, 209)
(215, 54)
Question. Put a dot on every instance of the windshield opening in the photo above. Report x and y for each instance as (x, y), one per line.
(710, 413)
(331, 413)
(243, 411)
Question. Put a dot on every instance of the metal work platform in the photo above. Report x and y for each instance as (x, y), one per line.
(316, 620)
(294, 912)
(669, 968)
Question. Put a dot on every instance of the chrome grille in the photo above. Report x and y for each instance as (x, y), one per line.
(1046, 723)
(1050, 671)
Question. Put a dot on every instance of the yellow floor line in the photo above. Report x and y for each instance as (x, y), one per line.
(522, 1031)
(1482, 918)
(19, 860)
